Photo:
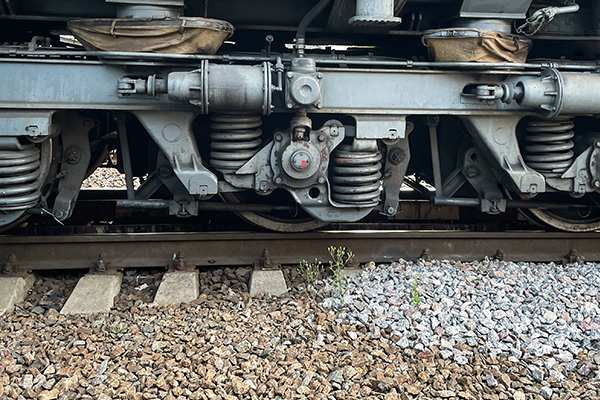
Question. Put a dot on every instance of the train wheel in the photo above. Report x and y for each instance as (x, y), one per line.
(277, 223)
(567, 219)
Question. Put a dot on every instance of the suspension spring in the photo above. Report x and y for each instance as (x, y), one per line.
(235, 139)
(20, 180)
(548, 147)
(356, 176)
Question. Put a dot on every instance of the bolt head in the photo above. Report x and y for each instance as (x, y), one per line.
(597, 143)
(321, 180)
(73, 155)
(301, 160)
(321, 137)
(471, 172)
(289, 75)
(391, 210)
(596, 183)
(165, 172)
(277, 180)
(320, 75)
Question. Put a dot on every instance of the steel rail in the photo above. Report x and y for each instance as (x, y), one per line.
(235, 249)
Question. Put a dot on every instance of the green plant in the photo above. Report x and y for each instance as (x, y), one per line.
(120, 330)
(340, 257)
(310, 272)
(415, 291)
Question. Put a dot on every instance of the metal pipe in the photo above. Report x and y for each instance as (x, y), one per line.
(203, 206)
(308, 18)
(467, 202)
(108, 55)
(144, 204)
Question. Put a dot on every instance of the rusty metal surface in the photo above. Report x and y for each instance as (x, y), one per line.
(217, 249)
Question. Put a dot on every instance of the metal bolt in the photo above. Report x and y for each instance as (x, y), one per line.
(596, 183)
(321, 137)
(597, 143)
(319, 105)
(289, 75)
(300, 160)
(472, 172)
(165, 172)
(320, 75)
(59, 214)
(277, 180)
(279, 137)
(33, 130)
(391, 210)
(499, 255)
(72, 156)
(321, 180)
(396, 156)
(290, 105)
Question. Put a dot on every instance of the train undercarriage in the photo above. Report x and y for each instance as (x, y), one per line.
(312, 112)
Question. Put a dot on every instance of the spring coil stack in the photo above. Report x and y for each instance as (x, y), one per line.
(235, 139)
(356, 176)
(19, 176)
(548, 147)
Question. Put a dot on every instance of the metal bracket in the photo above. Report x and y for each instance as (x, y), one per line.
(380, 127)
(76, 157)
(398, 157)
(480, 176)
(172, 131)
(497, 136)
(34, 124)
(183, 204)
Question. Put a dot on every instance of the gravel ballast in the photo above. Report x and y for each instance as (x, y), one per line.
(485, 330)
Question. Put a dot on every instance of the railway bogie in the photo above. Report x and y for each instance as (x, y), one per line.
(311, 112)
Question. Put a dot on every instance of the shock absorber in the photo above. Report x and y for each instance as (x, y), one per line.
(548, 147)
(20, 173)
(235, 139)
(356, 176)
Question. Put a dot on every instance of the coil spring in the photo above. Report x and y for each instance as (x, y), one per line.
(235, 139)
(356, 176)
(549, 144)
(19, 177)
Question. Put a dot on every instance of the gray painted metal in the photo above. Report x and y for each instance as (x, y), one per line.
(496, 135)
(35, 124)
(513, 9)
(61, 85)
(172, 131)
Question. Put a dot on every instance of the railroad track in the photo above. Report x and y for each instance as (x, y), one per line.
(134, 250)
